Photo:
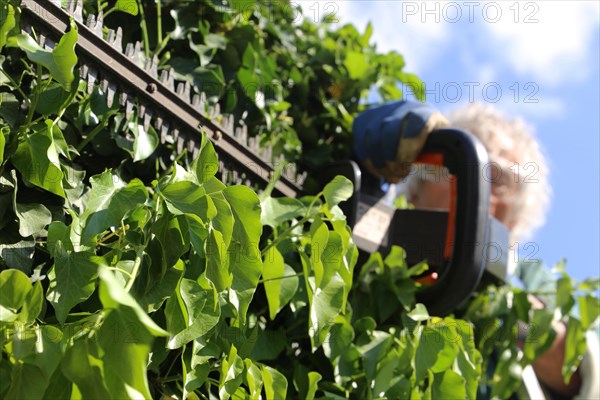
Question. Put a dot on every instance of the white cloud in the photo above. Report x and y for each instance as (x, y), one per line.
(557, 49)
(547, 40)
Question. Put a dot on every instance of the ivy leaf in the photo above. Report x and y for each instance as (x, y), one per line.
(437, 349)
(14, 287)
(33, 305)
(245, 259)
(200, 313)
(7, 22)
(127, 6)
(275, 383)
(589, 309)
(280, 281)
(146, 141)
(448, 385)
(32, 217)
(72, 279)
(325, 307)
(231, 374)
(357, 64)
(419, 313)
(574, 348)
(338, 190)
(82, 366)
(51, 99)
(60, 61)
(206, 164)
(2, 143)
(113, 296)
(109, 201)
(37, 160)
(276, 211)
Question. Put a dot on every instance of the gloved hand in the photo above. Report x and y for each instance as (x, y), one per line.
(388, 138)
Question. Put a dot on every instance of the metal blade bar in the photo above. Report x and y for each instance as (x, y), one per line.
(122, 71)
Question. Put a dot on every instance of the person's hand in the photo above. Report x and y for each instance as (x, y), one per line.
(388, 138)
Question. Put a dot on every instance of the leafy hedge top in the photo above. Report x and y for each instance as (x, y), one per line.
(128, 272)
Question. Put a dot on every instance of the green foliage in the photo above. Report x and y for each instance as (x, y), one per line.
(129, 271)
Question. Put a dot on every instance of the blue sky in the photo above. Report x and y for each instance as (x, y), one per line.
(545, 58)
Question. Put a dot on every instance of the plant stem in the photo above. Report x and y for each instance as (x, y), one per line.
(158, 19)
(17, 87)
(144, 27)
(284, 235)
(94, 132)
(36, 96)
(281, 277)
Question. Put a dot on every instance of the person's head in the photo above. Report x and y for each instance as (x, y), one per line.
(518, 171)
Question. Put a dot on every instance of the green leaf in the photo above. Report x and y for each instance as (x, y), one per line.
(2, 145)
(37, 160)
(280, 281)
(275, 383)
(231, 374)
(109, 201)
(60, 61)
(589, 309)
(206, 164)
(326, 306)
(82, 365)
(113, 296)
(145, 142)
(276, 211)
(14, 287)
(51, 99)
(419, 313)
(437, 349)
(338, 190)
(313, 380)
(127, 6)
(33, 305)
(357, 64)
(201, 311)
(448, 385)
(7, 22)
(575, 346)
(72, 279)
(245, 259)
(126, 342)
(33, 217)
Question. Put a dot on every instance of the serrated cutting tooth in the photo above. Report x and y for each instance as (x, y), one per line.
(129, 50)
(175, 133)
(141, 111)
(76, 10)
(110, 94)
(195, 100)
(158, 121)
(147, 119)
(137, 54)
(129, 104)
(123, 98)
(191, 145)
(202, 103)
(83, 71)
(114, 38)
(301, 178)
(216, 111)
(103, 85)
(151, 66)
(164, 132)
(92, 77)
(228, 123)
(41, 39)
(183, 91)
(166, 78)
(180, 144)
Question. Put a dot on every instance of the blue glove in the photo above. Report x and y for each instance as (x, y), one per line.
(389, 137)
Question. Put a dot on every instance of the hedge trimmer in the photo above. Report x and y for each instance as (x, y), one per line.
(454, 243)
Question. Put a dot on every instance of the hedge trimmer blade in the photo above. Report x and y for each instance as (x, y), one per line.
(171, 107)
